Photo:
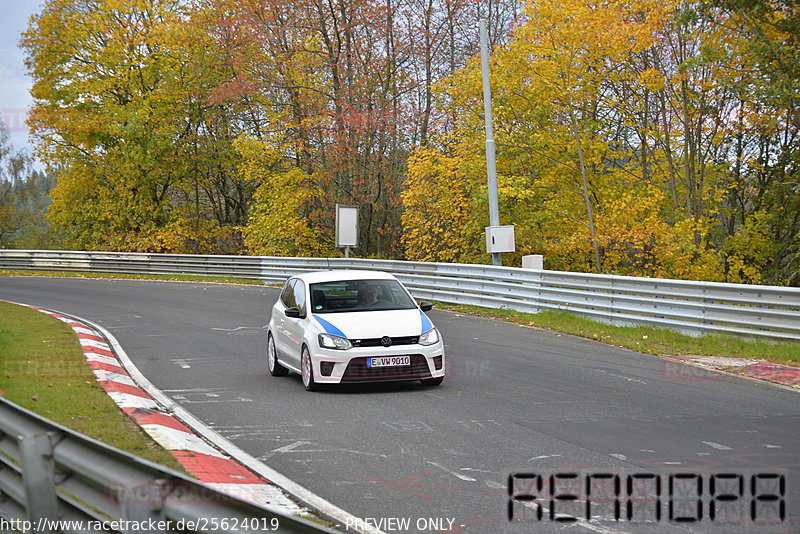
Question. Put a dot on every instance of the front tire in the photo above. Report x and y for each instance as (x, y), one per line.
(307, 370)
(275, 368)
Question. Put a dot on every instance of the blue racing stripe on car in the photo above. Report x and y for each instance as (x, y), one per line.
(329, 328)
(426, 323)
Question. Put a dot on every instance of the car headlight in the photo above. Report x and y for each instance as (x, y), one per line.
(429, 338)
(330, 341)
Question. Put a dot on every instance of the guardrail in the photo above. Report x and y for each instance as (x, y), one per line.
(53, 479)
(691, 307)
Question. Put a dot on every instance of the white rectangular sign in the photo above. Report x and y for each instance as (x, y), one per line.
(346, 225)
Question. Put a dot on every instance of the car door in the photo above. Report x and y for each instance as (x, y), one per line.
(285, 301)
(295, 326)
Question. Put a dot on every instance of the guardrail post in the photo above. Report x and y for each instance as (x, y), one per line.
(612, 293)
(537, 282)
(143, 504)
(704, 312)
(38, 476)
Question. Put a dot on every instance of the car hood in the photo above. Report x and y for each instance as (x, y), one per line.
(372, 324)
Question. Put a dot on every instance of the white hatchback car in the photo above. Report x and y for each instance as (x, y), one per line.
(334, 327)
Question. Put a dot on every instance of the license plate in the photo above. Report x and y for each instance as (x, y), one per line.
(389, 361)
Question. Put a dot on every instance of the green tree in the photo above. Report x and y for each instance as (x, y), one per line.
(32, 200)
(15, 167)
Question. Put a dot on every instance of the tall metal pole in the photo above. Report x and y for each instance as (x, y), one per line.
(491, 164)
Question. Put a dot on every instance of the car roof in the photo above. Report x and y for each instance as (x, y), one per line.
(337, 275)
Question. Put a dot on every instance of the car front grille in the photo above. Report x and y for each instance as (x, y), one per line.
(357, 371)
(378, 341)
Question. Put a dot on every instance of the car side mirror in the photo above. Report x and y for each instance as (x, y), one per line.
(293, 312)
(425, 306)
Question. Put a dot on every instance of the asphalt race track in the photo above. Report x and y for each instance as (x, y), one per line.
(522, 410)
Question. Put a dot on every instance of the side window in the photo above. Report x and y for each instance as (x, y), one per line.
(300, 296)
(287, 296)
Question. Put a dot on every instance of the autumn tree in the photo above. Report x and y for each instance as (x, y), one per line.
(139, 108)
(439, 216)
(342, 88)
(441, 38)
(121, 116)
(98, 117)
(317, 82)
(756, 44)
(554, 117)
(646, 138)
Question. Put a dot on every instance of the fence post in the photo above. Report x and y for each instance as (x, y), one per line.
(38, 476)
(704, 312)
(143, 505)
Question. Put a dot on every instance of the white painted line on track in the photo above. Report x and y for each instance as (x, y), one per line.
(249, 492)
(291, 446)
(717, 446)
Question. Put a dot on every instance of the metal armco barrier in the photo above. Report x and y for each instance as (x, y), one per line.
(53, 479)
(691, 307)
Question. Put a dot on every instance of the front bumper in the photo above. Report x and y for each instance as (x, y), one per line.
(350, 365)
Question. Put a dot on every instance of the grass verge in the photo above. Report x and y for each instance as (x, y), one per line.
(42, 368)
(648, 339)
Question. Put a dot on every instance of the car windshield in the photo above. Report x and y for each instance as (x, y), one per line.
(359, 295)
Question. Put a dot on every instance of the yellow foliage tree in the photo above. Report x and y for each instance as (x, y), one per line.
(618, 127)
(438, 216)
(104, 117)
(279, 224)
